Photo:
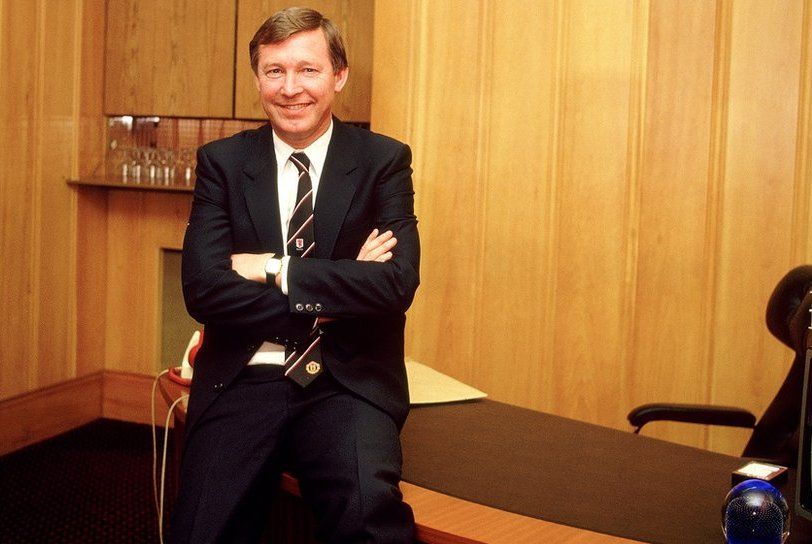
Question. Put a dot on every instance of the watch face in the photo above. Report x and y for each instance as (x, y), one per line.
(272, 266)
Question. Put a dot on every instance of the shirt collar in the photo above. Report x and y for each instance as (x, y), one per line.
(316, 152)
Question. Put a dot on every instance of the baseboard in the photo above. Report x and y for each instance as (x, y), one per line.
(127, 396)
(32, 417)
(38, 415)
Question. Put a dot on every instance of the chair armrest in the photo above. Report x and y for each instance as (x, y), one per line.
(691, 413)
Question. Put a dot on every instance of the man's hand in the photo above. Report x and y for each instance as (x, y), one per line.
(378, 247)
(250, 266)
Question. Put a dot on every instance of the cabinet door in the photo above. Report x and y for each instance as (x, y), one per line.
(354, 19)
(170, 57)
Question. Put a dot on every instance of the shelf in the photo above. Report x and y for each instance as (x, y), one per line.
(117, 184)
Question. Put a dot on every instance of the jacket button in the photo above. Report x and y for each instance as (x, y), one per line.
(218, 386)
(309, 307)
(318, 307)
(250, 347)
(299, 306)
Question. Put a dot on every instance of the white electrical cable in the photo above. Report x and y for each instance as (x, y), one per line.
(155, 442)
(163, 466)
(159, 496)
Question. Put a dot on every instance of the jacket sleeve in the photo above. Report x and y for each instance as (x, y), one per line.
(213, 292)
(350, 288)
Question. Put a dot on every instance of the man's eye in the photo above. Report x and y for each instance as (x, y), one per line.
(310, 71)
(273, 72)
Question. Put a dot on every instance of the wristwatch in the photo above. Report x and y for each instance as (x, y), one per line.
(273, 267)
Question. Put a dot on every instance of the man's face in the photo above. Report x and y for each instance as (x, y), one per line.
(297, 86)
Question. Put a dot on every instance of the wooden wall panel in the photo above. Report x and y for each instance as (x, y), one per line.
(518, 169)
(140, 225)
(19, 120)
(671, 279)
(55, 202)
(802, 226)
(451, 197)
(91, 203)
(756, 200)
(590, 244)
(194, 41)
(628, 181)
(41, 53)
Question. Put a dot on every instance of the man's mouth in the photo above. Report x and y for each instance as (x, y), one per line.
(293, 107)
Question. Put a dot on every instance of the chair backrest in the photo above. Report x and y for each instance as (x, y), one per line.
(775, 436)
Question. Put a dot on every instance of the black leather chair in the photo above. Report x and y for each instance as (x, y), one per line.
(775, 435)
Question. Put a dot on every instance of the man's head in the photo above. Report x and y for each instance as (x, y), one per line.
(283, 24)
(299, 64)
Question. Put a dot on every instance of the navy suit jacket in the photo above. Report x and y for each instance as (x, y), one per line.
(366, 183)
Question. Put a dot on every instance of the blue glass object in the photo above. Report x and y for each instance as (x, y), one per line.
(755, 512)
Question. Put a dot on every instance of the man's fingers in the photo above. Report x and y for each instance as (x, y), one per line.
(372, 248)
(382, 248)
(372, 236)
(385, 257)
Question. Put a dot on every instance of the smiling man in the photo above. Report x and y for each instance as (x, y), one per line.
(301, 258)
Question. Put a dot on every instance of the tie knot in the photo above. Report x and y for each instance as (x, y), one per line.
(301, 161)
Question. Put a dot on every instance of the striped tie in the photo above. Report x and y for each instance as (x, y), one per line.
(300, 229)
(303, 364)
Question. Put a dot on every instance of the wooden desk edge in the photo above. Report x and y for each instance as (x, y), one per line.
(443, 519)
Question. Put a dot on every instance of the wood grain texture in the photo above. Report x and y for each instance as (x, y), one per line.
(140, 225)
(670, 279)
(41, 52)
(606, 197)
(590, 245)
(170, 58)
(451, 198)
(354, 19)
(802, 226)
(442, 519)
(91, 205)
(19, 120)
(127, 396)
(756, 200)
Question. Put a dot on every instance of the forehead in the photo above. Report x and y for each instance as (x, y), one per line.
(307, 46)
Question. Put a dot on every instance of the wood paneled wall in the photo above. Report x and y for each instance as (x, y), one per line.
(607, 194)
(44, 48)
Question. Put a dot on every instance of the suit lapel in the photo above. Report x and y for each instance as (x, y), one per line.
(261, 195)
(336, 189)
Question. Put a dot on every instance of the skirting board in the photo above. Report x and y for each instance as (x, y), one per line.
(32, 417)
(38, 415)
(127, 397)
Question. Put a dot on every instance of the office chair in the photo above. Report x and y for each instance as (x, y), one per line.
(775, 436)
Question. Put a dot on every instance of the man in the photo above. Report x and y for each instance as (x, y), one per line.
(302, 363)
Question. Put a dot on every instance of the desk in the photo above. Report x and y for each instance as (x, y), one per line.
(552, 479)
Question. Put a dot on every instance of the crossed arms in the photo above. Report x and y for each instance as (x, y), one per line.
(225, 287)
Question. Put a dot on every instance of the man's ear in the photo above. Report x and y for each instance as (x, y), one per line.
(256, 81)
(341, 79)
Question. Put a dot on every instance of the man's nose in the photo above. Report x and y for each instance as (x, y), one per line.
(291, 85)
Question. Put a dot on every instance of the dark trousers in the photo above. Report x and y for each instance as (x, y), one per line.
(344, 451)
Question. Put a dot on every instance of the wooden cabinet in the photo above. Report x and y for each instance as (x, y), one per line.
(170, 58)
(354, 19)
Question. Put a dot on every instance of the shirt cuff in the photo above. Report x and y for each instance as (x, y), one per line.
(283, 273)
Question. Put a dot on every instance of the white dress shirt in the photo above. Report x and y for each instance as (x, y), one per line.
(287, 185)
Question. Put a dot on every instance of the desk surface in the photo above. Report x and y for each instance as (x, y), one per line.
(486, 472)
(573, 473)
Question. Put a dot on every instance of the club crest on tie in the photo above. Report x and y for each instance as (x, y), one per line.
(313, 367)
(299, 244)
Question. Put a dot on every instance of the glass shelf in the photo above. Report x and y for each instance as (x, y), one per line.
(118, 184)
